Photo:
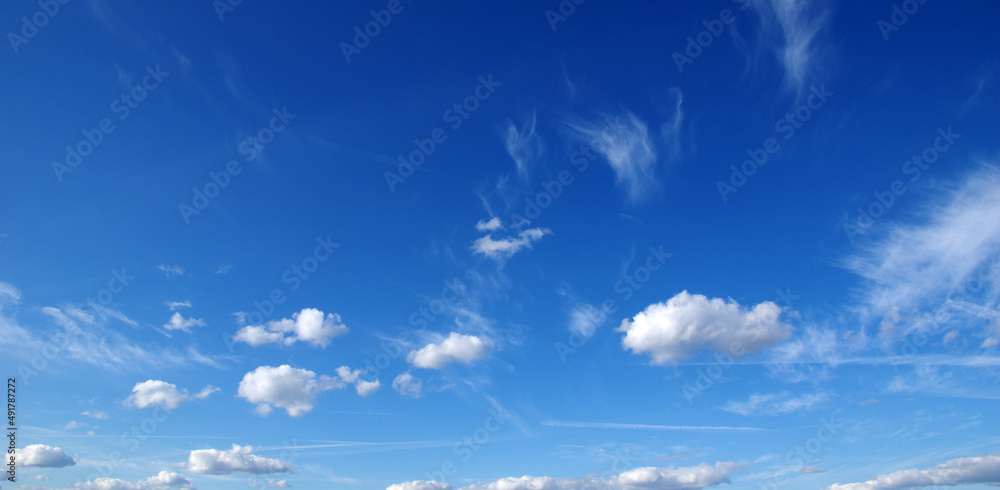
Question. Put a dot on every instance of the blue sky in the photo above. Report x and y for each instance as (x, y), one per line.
(524, 245)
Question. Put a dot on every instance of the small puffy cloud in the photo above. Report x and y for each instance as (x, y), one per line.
(408, 385)
(271, 483)
(44, 456)
(176, 305)
(493, 224)
(73, 425)
(156, 393)
(420, 485)
(990, 342)
(775, 403)
(457, 347)
(178, 322)
(691, 477)
(584, 319)
(363, 387)
(165, 479)
(308, 325)
(683, 325)
(96, 415)
(238, 459)
(959, 471)
(43, 476)
(292, 389)
(171, 270)
(507, 247)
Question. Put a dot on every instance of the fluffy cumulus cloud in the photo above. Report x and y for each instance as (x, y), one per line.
(959, 471)
(308, 325)
(493, 224)
(162, 480)
(457, 347)
(683, 325)
(684, 478)
(775, 403)
(156, 393)
(408, 385)
(178, 322)
(295, 390)
(506, 247)
(420, 485)
(238, 459)
(44, 456)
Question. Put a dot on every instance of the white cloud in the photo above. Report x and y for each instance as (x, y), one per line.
(457, 347)
(683, 325)
(308, 325)
(165, 479)
(292, 389)
(223, 269)
(524, 146)
(507, 247)
(175, 305)
(238, 459)
(911, 265)
(420, 485)
(156, 393)
(273, 483)
(959, 471)
(692, 477)
(96, 415)
(171, 270)
(178, 322)
(624, 142)
(492, 225)
(800, 22)
(775, 403)
(73, 425)
(408, 385)
(365, 388)
(684, 478)
(44, 456)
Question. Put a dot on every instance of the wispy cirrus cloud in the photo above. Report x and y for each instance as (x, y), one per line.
(792, 30)
(775, 403)
(524, 146)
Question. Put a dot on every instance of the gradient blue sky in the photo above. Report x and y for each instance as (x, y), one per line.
(533, 245)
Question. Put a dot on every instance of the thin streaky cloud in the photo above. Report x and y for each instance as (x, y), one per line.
(616, 426)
